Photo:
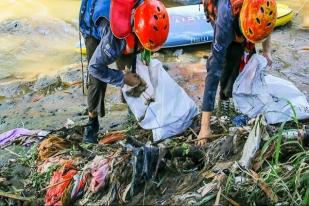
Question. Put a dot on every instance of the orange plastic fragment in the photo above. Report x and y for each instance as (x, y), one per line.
(112, 137)
(58, 183)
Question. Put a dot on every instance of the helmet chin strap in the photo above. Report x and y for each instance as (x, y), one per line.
(137, 3)
(134, 54)
(136, 40)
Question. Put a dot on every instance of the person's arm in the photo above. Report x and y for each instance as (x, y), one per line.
(109, 49)
(205, 128)
(267, 50)
(223, 36)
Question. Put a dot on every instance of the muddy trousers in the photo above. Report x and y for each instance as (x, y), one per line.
(96, 88)
(230, 72)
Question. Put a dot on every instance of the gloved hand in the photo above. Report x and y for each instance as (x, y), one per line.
(132, 79)
(146, 56)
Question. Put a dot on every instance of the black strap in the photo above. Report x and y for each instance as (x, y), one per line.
(81, 61)
(210, 15)
(137, 3)
(236, 26)
(81, 18)
(135, 52)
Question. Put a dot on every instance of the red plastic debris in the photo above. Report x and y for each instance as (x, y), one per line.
(58, 183)
(112, 137)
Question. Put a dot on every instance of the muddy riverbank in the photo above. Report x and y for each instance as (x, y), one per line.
(50, 100)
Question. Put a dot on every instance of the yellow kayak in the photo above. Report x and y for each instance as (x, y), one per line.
(285, 14)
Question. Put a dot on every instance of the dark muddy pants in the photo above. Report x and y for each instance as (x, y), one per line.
(231, 69)
(96, 88)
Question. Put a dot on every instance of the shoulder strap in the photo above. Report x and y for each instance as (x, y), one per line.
(210, 9)
(135, 52)
(237, 26)
(134, 55)
(236, 6)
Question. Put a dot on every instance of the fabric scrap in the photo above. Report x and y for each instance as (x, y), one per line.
(112, 137)
(13, 134)
(99, 171)
(51, 161)
(80, 183)
(52, 146)
(60, 180)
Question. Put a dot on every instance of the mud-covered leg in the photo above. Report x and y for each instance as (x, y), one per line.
(95, 99)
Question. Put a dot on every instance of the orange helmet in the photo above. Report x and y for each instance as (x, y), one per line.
(257, 19)
(151, 24)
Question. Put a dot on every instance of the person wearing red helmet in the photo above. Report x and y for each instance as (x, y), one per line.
(114, 31)
(238, 25)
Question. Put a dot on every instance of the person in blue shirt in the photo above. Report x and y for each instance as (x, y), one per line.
(236, 23)
(114, 31)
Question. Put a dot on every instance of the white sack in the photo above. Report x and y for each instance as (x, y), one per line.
(255, 92)
(172, 111)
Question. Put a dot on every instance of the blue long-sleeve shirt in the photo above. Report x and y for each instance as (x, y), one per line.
(108, 50)
(94, 21)
(224, 34)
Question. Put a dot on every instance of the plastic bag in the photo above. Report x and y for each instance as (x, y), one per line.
(59, 182)
(253, 142)
(164, 107)
(255, 92)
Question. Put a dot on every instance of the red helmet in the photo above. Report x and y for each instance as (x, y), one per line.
(258, 19)
(151, 24)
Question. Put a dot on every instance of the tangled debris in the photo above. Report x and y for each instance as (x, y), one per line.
(127, 169)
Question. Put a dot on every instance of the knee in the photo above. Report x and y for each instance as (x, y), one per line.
(96, 84)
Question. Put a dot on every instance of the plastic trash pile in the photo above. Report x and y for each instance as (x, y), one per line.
(254, 162)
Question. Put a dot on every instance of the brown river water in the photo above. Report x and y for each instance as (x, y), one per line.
(39, 36)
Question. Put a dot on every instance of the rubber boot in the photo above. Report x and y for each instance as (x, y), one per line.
(91, 131)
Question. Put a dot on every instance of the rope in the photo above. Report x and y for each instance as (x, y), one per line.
(81, 61)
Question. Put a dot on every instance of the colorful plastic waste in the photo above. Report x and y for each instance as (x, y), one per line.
(297, 134)
(51, 161)
(51, 146)
(79, 184)
(99, 171)
(112, 137)
(240, 120)
(60, 180)
(16, 133)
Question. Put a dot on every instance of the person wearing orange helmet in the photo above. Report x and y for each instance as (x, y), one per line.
(238, 25)
(114, 31)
